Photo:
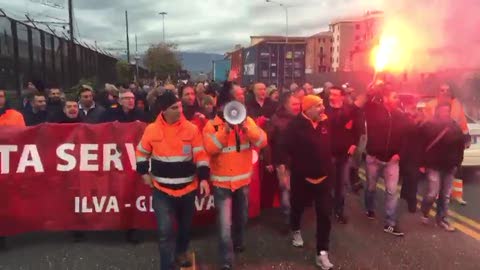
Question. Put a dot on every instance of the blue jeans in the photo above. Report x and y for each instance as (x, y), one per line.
(341, 181)
(284, 186)
(439, 185)
(390, 173)
(169, 209)
(232, 217)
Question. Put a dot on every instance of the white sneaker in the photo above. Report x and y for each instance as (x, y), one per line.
(297, 240)
(322, 261)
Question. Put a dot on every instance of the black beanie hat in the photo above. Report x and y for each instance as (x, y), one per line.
(167, 99)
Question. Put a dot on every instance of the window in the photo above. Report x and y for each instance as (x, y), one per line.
(338, 61)
(319, 40)
(331, 40)
(338, 38)
(357, 26)
(331, 49)
(331, 60)
(338, 48)
(357, 38)
(321, 50)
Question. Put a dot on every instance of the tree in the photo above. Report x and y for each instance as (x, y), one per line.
(162, 60)
(124, 73)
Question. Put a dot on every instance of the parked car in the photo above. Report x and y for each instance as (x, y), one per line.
(472, 155)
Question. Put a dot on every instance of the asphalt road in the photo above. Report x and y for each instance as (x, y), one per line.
(361, 244)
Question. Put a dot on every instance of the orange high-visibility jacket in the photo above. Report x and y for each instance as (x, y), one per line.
(231, 169)
(176, 154)
(12, 118)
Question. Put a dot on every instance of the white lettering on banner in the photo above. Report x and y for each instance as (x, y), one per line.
(63, 155)
(30, 150)
(89, 157)
(141, 204)
(131, 155)
(86, 156)
(107, 204)
(111, 157)
(83, 205)
(204, 203)
(5, 157)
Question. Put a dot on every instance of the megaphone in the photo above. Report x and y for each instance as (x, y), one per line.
(235, 113)
(318, 91)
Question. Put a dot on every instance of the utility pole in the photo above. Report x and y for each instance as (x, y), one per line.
(163, 13)
(137, 58)
(286, 16)
(128, 42)
(73, 54)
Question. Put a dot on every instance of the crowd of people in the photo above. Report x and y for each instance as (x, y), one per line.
(314, 143)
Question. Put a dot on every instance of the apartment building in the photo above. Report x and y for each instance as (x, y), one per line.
(318, 56)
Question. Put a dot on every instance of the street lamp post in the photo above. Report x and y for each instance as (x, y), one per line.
(163, 13)
(286, 16)
(285, 7)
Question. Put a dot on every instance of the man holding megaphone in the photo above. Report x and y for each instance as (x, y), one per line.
(229, 139)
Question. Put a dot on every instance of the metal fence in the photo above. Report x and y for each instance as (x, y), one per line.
(28, 54)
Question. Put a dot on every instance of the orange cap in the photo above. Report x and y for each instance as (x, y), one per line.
(310, 101)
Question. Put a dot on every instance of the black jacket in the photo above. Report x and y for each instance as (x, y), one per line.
(117, 114)
(93, 115)
(189, 111)
(254, 109)
(411, 154)
(308, 149)
(63, 119)
(447, 153)
(276, 130)
(385, 131)
(54, 109)
(346, 128)
(33, 119)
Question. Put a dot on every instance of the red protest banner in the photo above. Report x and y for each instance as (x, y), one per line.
(80, 177)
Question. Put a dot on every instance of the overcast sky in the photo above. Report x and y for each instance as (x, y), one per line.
(195, 25)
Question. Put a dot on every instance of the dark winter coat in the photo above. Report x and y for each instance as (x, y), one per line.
(276, 130)
(346, 128)
(117, 114)
(33, 119)
(254, 110)
(308, 148)
(93, 115)
(385, 131)
(447, 153)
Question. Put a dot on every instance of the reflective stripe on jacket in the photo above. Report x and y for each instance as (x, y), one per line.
(231, 169)
(176, 155)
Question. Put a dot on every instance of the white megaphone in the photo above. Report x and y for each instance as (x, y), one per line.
(235, 113)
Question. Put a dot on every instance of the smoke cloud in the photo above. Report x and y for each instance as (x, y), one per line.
(446, 32)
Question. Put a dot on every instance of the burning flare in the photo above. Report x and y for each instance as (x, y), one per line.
(395, 49)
